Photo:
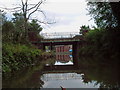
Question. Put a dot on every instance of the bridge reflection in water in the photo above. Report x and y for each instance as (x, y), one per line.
(63, 55)
(66, 76)
(61, 76)
(64, 72)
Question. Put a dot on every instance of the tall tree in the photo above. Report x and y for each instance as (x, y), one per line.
(26, 9)
(102, 13)
(34, 30)
(34, 26)
(7, 31)
(27, 12)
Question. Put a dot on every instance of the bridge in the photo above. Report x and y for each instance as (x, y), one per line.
(61, 38)
(55, 37)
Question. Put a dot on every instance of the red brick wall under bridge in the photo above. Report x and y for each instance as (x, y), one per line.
(63, 48)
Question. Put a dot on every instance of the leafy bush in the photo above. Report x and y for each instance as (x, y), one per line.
(101, 42)
(17, 56)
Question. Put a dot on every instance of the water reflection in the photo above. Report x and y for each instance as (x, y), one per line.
(90, 73)
(26, 78)
(107, 74)
(96, 72)
(63, 59)
(63, 55)
(61, 63)
(67, 80)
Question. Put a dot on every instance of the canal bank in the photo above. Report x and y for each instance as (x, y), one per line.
(87, 74)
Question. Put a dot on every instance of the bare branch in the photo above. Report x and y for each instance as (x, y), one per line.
(22, 2)
(15, 10)
(26, 6)
(10, 8)
(43, 22)
(23, 6)
(46, 22)
(42, 12)
(26, 1)
(35, 9)
(34, 6)
(20, 5)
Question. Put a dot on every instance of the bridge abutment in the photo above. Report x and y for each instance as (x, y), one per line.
(75, 53)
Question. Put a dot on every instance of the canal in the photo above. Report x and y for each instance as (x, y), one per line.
(62, 72)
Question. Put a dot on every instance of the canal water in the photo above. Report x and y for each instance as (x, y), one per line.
(62, 72)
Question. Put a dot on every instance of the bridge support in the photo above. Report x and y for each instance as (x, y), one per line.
(43, 47)
(51, 46)
(75, 53)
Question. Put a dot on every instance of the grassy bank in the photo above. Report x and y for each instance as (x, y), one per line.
(18, 56)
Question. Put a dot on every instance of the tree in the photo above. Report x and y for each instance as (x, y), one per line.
(12, 30)
(34, 26)
(26, 10)
(34, 30)
(103, 14)
(8, 31)
(19, 27)
(84, 29)
(115, 6)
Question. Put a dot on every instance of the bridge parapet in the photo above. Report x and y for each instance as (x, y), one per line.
(60, 40)
(59, 35)
(76, 38)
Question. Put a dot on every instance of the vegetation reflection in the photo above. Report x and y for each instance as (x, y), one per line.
(105, 74)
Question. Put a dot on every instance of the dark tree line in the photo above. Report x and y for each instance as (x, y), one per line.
(105, 14)
(103, 40)
(13, 31)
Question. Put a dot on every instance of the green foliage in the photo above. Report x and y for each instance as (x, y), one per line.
(102, 14)
(18, 21)
(17, 53)
(102, 43)
(84, 29)
(116, 11)
(8, 31)
(17, 56)
(14, 31)
(34, 26)
(35, 29)
(4, 18)
(95, 69)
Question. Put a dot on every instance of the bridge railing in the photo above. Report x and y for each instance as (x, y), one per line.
(59, 35)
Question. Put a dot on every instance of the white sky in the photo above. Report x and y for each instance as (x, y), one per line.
(68, 14)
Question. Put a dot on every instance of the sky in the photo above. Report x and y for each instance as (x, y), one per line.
(69, 15)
